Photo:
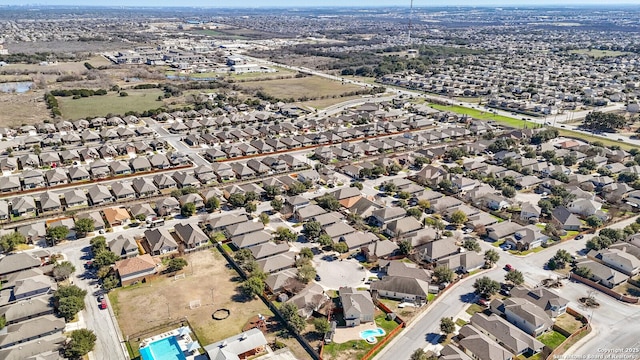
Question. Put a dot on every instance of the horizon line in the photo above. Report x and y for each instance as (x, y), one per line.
(531, 5)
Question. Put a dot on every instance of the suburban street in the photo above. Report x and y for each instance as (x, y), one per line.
(607, 319)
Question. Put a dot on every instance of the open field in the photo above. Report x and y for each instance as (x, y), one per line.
(590, 138)
(310, 87)
(482, 115)
(324, 103)
(598, 53)
(112, 103)
(143, 306)
(62, 67)
(27, 108)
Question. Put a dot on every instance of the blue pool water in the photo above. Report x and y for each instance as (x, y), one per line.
(367, 334)
(163, 349)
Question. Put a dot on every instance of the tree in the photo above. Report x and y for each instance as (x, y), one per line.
(306, 273)
(306, 253)
(250, 207)
(104, 271)
(188, 209)
(9, 241)
(443, 274)
(446, 185)
(252, 287)
(110, 282)
(84, 226)
(420, 161)
(405, 247)
(604, 121)
(585, 272)
(415, 212)
(357, 184)
(277, 204)
(447, 325)
(289, 312)
(515, 277)
(328, 202)
(284, 234)
(594, 222)
(236, 200)
(69, 306)
(105, 258)
(57, 233)
(312, 229)
(458, 217)
(82, 341)
(340, 247)
(325, 240)
(424, 204)
(63, 270)
(212, 203)
(486, 287)
(321, 325)
(419, 354)
(560, 259)
(471, 245)
(176, 264)
(242, 255)
(264, 218)
(98, 244)
(508, 192)
(271, 191)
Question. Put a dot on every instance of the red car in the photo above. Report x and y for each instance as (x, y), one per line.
(103, 304)
(483, 302)
(508, 267)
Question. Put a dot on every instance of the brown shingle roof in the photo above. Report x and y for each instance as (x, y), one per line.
(136, 264)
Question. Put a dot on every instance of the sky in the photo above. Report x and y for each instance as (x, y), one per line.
(298, 3)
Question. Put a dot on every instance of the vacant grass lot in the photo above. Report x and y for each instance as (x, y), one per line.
(325, 103)
(598, 53)
(310, 87)
(569, 323)
(112, 103)
(143, 306)
(552, 339)
(481, 115)
(590, 138)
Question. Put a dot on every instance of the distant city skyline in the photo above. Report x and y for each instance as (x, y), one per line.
(327, 3)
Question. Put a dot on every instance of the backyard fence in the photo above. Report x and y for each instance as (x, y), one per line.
(604, 289)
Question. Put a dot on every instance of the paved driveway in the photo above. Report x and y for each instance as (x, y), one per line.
(336, 273)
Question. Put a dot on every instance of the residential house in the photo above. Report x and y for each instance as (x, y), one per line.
(123, 246)
(99, 194)
(14, 263)
(307, 212)
(347, 196)
(524, 314)
(403, 227)
(56, 177)
(617, 259)
(338, 230)
(185, 179)
(268, 249)
(381, 217)
(10, 184)
(463, 262)
(276, 263)
(401, 288)
(479, 346)
(529, 237)
(144, 186)
(50, 201)
(500, 230)
(530, 212)
(167, 206)
(190, 235)
(122, 190)
(78, 173)
(358, 239)
(98, 221)
(566, 219)
(33, 329)
(553, 304)
(164, 181)
(23, 205)
(27, 309)
(507, 335)
(357, 306)
(241, 346)
(142, 210)
(436, 250)
(116, 216)
(192, 198)
(33, 232)
(218, 223)
(135, 269)
(159, 241)
(584, 207)
(251, 239)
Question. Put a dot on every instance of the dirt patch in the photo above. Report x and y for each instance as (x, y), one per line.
(144, 306)
(312, 87)
(27, 108)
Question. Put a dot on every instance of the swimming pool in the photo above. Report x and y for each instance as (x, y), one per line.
(370, 335)
(163, 349)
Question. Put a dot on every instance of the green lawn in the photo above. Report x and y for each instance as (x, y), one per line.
(570, 234)
(526, 252)
(112, 103)
(431, 297)
(590, 138)
(482, 115)
(598, 53)
(474, 308)
(461, 322)
(360, 347)
(498, 243)
(552, 339)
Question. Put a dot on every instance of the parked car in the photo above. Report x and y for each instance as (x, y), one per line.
(318, 278)
(88, 265)
(100, 298)
(508, 267)
(580, 237)
(103, 304)
(483, 302)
